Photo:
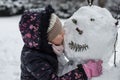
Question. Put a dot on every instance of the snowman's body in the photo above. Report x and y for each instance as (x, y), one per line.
(89, 34)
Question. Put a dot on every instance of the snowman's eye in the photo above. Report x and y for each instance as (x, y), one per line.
(74, 21)
(79, 31)
(92, 19)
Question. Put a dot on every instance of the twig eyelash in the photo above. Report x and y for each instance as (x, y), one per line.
(77, 47)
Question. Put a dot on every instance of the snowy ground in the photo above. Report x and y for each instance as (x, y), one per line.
(10, 48)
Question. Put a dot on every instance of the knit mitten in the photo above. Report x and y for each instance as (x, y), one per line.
(93, 68)
(58, 49)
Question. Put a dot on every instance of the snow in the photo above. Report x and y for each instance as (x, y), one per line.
(11, 45)
(93, 35)
(10, 48)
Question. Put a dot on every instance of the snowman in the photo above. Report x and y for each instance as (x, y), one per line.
(91, 34)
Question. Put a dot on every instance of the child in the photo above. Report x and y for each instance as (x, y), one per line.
(43, 36)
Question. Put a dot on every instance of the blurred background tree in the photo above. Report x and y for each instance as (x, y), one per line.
(64, 8)
(102, 3)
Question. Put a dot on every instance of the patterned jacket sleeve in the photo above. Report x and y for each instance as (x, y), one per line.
(44, 71)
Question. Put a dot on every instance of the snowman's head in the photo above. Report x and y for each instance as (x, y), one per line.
(90, 34)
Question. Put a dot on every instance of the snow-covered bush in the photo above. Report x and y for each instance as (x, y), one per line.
(64, 8)
(114, 7)
(11, 7)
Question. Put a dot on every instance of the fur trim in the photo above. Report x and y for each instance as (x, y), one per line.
(52, 22)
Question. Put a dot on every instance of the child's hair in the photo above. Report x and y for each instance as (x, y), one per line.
(39, 26)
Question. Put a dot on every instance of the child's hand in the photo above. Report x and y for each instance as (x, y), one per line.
(58, 49)
(93, 68)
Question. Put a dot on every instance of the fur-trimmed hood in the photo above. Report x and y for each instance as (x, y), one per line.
(33, 26)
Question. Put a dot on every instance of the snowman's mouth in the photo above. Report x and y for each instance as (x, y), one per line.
(78, 47)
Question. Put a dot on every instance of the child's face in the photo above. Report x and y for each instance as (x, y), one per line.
(59, 39)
